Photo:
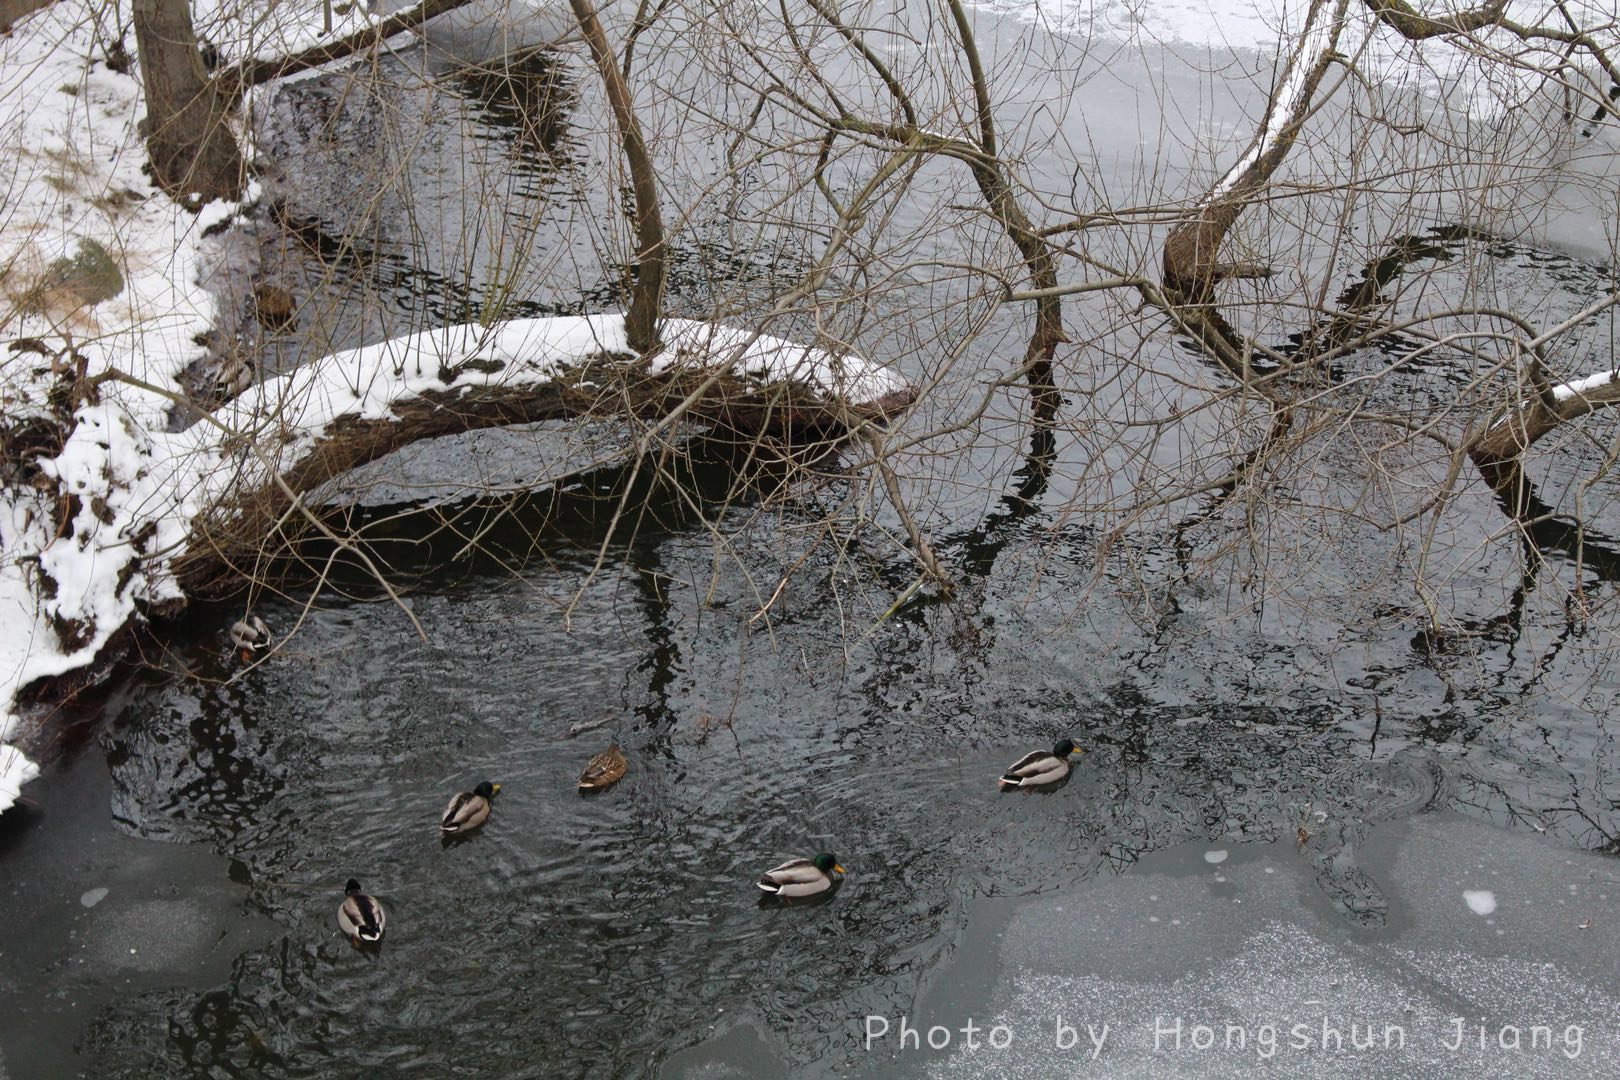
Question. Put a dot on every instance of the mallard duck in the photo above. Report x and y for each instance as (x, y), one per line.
(604, 770)
(802, 877)
(361, 917)
(249, 634)
(1041, 767)
(468, 809)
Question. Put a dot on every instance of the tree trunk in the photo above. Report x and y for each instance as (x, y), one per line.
(998, 193)
(187, 129)
(647, 295)
(1498, 452)
(12, 10)
(1191, 268)
(232, 541)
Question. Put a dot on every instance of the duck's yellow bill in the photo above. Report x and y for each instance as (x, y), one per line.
(840, 869)
(496, 788)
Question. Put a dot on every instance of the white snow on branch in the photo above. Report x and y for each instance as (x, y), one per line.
(368, 382)
(1576, 387)
(1290, 99)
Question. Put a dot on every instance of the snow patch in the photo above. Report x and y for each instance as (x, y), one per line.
(1575, 387)
(1480, 901)
(1216, 857)
(71, 173)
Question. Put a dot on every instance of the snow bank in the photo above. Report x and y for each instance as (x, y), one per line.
(1488, 87)
(71, 173)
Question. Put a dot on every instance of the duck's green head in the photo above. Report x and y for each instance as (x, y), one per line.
(1064, 748)
(351, 886)
(487, 789)
(827, 863)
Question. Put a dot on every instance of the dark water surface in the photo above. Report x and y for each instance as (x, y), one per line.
(611, 935)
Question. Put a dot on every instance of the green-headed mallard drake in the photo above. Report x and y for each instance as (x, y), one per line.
(604, 770)
(468, 809)
(802, 877)
(361, 917)
(1041, 767)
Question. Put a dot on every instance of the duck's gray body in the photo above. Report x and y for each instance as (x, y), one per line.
(467, 810)
(250, 633)
(361, 916)
(795, 878)
(1036, 770)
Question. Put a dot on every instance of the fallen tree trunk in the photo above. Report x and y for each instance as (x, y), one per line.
(524, 374)
(154, 519)
(237, 79)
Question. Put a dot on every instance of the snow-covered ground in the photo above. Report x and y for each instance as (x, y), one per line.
(71, 176)
(1494, 85)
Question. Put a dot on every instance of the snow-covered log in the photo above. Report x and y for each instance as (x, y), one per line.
(155, 518)
(298, 432)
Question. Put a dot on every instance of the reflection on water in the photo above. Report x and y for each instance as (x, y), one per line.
(407, 198)
(603, 934)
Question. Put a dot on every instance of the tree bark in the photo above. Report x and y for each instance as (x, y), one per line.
(228, 542)
(1414, 25)
(12, 10)
(187, 126)
(1496, 453)
(647, 293)
(1000, 196)
(998, 192)
(1190, 264)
